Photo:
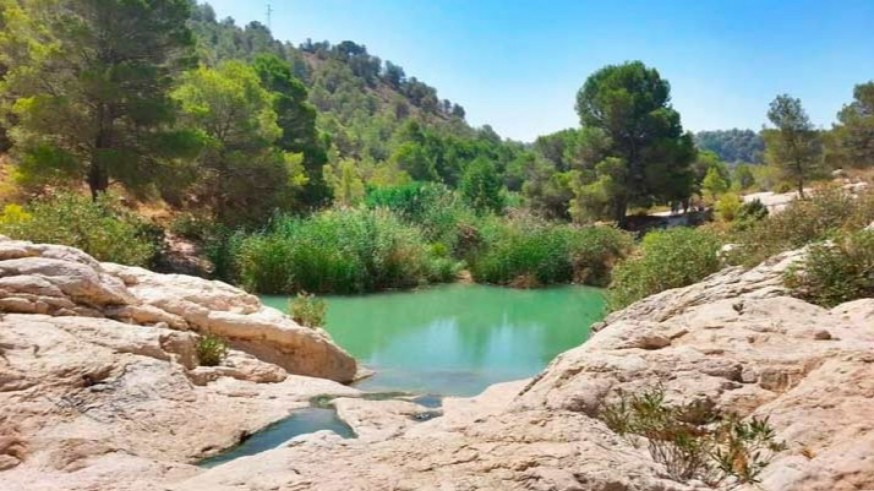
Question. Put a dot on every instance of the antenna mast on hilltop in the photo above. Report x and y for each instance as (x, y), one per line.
(269, 14)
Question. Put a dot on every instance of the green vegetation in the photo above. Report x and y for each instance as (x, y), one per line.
(307, 310)
(728, 207)
(794, 147)
(749, 213)
(665, 259)
(211, 350)
(87, 90)
(825, 215)
(850, 144)
(646, 156)
(694, 441)
(734, 146)
(527, 252)
(101, 228)
(340, 251)
(240, 175)
(837, 272)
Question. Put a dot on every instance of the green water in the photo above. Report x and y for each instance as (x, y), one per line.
(458, 339)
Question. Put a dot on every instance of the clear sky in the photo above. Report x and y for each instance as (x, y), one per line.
(517, 64)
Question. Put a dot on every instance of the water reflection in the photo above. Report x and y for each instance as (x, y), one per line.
(458, 339)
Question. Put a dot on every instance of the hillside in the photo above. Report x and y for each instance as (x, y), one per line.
(733, 146)
(367, 108)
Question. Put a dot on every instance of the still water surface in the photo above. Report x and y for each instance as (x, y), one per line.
(458, 339)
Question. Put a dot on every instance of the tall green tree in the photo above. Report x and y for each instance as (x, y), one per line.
(87, 91)
(240, 175)
(794, 146)
(854, 134)
(481, 186)
(297, 119)
(630, 104)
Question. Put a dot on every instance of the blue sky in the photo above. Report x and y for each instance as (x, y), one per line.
(517, 65)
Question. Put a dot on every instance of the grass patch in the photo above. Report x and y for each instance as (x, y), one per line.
(307, 310)
(211, 350)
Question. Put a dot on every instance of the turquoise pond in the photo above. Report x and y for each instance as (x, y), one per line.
(452, 340)
(458, 339)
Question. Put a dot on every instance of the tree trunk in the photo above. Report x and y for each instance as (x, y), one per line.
(98, 178)
(620, 209)
(98, 181)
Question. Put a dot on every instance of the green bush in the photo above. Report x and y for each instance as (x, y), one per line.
(693, 441)
(307, 310)
(750, 213)
(193, 227)
(528, 252)
(824, 215)
(339, 251)
(102, 228)
(666, 259)
(439, 212)
(211, 350)
(728, 207)
(837, 272)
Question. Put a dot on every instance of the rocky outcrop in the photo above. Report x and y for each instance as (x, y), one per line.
(91, 403)
(94, 403)
(735, 341)
(62, 281)
(100, 386)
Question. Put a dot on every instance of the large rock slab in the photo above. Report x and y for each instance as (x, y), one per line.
(63, 281)
(98, 404)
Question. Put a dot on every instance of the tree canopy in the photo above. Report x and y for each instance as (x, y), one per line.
(854, 133)
(650, 154)
(733, 146)
(86, 95)
(240, 174)
(793, 146)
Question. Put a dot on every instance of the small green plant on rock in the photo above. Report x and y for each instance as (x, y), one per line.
(308, 310)
(694, 441)
(211, 350)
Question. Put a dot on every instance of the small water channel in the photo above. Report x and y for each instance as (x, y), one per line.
(452, 340)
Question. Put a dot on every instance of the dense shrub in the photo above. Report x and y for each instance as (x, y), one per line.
(694, 441)
(307, 310)
(728, 207)
(339, 251)
(825, 215)
(666, 259)
(211, 350)
(750, 213)
(101, 228)
(528, 252)
(837, 272)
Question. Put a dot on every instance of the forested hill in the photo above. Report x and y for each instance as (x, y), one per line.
(732, 146)
(369, 110)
